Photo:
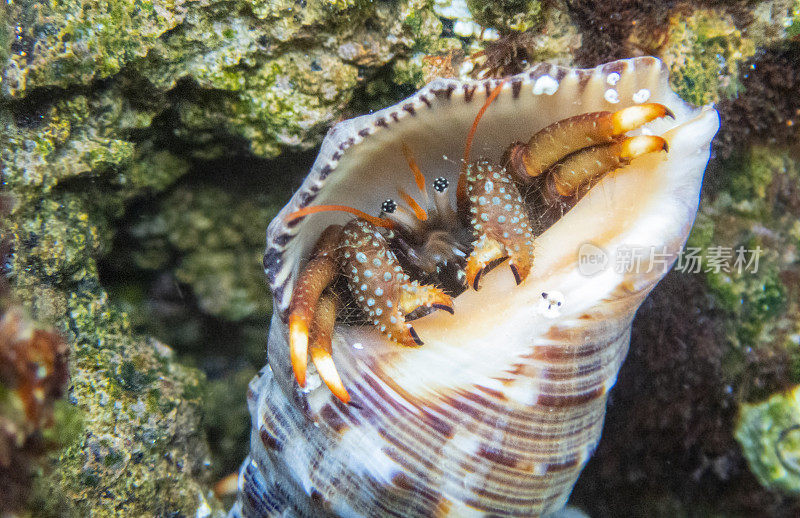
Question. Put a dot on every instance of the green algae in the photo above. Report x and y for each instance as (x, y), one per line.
(246, 78)
(286, 102)
(113, 375)
(704, 54)
(271, 96)
(793, 28)
(507, 15)
(72, 137)
(127, 388)
(62, 43)
(707, 50)
(769, 435)
(753, 215)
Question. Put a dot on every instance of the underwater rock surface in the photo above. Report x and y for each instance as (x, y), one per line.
(128, 128)
(769, 433)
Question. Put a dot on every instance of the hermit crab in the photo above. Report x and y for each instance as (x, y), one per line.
(450, 266)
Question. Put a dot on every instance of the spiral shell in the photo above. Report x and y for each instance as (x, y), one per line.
(501, 408)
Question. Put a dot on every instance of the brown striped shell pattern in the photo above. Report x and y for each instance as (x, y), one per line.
(502, 404)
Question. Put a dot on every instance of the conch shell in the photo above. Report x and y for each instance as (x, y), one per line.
(499, 410)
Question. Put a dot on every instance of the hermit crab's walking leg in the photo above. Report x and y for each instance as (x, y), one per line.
(587, 146)
(582, 167)
(314, 278)
(320, 349)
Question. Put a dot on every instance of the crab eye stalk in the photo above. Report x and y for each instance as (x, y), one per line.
(441, 184)
(388, 206)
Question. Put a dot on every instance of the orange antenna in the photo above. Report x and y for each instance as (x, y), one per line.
(414, 167)
(462, 178)
(378, 222)
(419, 212)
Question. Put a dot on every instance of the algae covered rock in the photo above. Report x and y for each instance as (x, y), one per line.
(269, 73)
(139, 448)
(142, 450)
(63, 43)
(273, 74)
(769, 434)
(507, 15)
(748, 251)
(704, 53)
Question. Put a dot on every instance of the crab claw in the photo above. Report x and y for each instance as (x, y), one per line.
(488, 252)
(312, 280)
(415, 295)
(499, 222)
(380, 286)
(320, 349)
(555, 142)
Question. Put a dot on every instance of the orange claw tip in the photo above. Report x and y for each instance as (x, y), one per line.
(442, 300)
(298, 347)
(474, 272)
(632, 117)
(323, 361)
(641, 145)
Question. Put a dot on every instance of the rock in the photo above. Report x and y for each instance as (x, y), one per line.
(769, 433)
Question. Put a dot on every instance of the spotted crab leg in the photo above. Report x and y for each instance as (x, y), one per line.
(380, 286)
(376, 281)
(314, 278)
(584, 147)
(489, 200)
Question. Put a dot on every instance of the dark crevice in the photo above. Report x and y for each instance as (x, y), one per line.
(216, 344)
